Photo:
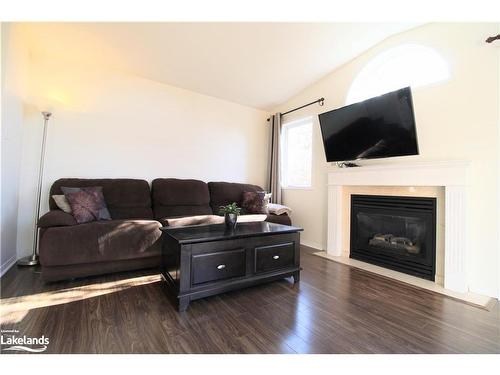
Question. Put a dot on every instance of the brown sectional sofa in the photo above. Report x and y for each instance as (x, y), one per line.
(132, 239)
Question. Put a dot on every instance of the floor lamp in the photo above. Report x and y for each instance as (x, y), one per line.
(32, 260)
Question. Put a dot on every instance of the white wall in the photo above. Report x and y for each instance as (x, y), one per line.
(14, 61)
(107, 124)
(498, 171)
(456, 119)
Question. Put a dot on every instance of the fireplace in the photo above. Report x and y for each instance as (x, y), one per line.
(395, 232)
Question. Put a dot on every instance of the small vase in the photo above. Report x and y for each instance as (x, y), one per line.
(230, 220)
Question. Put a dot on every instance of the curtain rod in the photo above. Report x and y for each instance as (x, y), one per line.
(320, 101)
(491, 39)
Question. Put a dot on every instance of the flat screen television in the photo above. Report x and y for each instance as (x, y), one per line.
(379, 127)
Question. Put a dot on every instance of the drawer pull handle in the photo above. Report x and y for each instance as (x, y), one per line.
(276, 257)
(221, 266)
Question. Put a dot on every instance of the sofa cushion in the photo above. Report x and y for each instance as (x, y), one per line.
(175, 197)
(223, 193)
(100, 241)
(125, 198)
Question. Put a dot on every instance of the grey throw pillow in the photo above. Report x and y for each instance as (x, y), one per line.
(62, 203)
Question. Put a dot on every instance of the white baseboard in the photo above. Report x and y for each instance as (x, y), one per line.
(314, 245)
(7, 264)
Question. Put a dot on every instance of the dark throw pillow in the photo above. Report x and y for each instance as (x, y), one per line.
(254, 202)
(87, 203)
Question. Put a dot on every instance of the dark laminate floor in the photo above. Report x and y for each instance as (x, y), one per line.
(334, 309)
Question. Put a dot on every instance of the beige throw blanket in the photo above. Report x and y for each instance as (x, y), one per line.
(209, 219)
(278, 209)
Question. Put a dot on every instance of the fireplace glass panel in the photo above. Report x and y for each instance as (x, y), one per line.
(395, 232)
(401, 235)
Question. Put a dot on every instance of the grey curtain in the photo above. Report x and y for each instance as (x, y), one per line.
(275, 168)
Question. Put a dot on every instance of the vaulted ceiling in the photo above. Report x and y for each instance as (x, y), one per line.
(255, 64)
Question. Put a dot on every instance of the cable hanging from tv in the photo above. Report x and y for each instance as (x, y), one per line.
(491, 39)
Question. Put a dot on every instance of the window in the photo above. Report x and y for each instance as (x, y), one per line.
(405, 65)
(296, 154)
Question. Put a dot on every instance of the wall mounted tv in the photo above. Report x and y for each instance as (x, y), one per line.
(379, 127)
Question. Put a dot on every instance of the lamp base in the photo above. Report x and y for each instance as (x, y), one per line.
(31, 260)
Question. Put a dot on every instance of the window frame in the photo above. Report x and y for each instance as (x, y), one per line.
(362, 88)
(284, 151)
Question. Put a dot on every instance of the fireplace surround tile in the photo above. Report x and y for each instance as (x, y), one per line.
(451, 176)
(406, 191)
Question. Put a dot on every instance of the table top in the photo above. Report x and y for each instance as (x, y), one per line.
(206, 233)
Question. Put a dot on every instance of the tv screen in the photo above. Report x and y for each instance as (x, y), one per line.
(379, 127)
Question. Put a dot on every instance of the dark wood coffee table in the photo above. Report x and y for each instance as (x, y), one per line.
(204, 260)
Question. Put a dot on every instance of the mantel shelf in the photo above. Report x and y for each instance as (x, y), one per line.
(435, 173)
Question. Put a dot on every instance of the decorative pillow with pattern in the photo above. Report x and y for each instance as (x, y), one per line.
(87, 203)
(254, 202)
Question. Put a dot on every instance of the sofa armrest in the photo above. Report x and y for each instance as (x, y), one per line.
(279, 219)
(56, 218)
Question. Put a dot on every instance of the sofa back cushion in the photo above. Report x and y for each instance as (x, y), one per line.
(125, 198)
(174, 197)
(223, 193)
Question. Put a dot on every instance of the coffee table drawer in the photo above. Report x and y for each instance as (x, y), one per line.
(268, 258)
(217, 266)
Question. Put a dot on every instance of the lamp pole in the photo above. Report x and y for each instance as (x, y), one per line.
(32, 260)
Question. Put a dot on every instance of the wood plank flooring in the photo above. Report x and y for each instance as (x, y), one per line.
(334, 309)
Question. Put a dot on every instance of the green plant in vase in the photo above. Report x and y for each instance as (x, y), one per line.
(230, 212)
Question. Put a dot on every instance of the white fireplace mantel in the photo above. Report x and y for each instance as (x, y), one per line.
(452, 175)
